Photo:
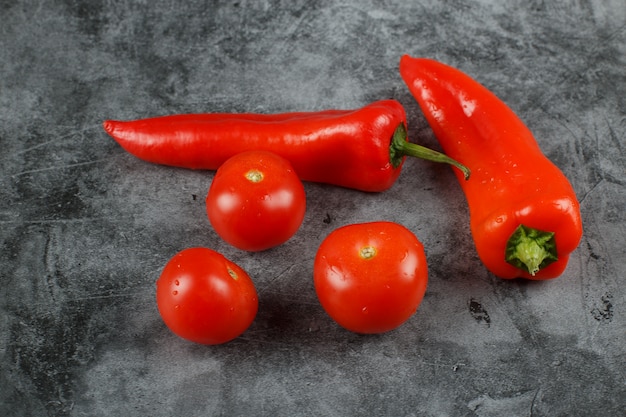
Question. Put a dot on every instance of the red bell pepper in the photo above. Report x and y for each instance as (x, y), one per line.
(362, 149)
(524, 215)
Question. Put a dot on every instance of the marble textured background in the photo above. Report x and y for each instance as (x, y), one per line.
(86, 228)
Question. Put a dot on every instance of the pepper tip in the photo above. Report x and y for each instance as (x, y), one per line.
(108, 126)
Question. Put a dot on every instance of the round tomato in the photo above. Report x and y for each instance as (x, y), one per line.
(256, 201)
(370, 277)
(205, 298)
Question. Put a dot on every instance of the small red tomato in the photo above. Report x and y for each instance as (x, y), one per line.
(256, 201)
(205, 298)
(370, 277)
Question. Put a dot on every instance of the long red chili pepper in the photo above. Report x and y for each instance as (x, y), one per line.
(524, 215)
(362, 149)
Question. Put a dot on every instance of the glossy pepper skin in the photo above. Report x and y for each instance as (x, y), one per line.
(363, 149)
(512, 183)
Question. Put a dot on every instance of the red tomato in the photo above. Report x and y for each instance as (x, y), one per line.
(256, 201)
(370, 277)
(205, 298)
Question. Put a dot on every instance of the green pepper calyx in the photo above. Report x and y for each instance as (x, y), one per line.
(531, 249)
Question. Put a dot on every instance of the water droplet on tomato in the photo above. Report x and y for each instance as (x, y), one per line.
(176, 307)
(174, 292)
(364, 310)
(176, 282)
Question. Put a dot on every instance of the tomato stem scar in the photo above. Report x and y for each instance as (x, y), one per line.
(254, 175)
(232, 274)
(367, 252)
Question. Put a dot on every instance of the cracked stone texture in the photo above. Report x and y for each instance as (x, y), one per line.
(86, 228)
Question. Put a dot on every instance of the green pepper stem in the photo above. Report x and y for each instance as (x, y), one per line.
(401, 147)
(531, 249)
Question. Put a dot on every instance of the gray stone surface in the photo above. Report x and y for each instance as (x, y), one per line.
(86, 228)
